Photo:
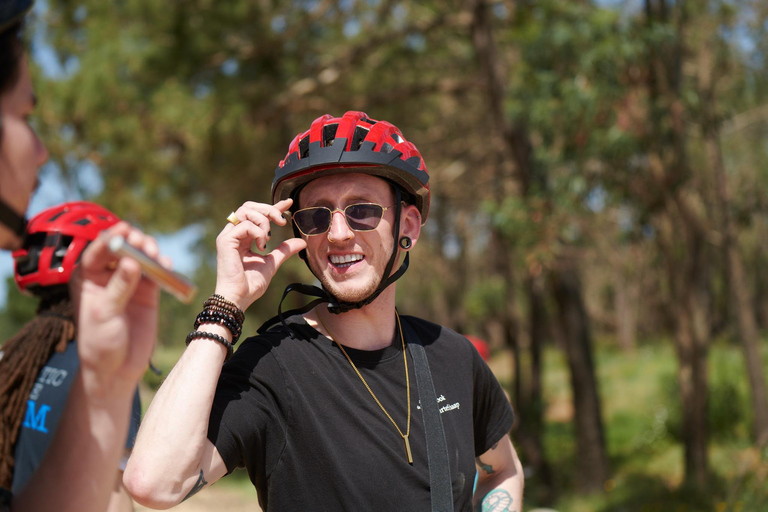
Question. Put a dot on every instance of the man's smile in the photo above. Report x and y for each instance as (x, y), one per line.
(345, 260)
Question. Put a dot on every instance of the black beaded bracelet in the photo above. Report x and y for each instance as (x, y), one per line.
(211, 336)
(225, 311)
(221, 302)
(209, 314)
(211, 317)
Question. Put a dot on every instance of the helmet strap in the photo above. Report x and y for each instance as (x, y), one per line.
(337, 307)
(13, 221)
(324, 296)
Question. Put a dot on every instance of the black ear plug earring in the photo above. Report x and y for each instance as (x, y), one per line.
(406, 243)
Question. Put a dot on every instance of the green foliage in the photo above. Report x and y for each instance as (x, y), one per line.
(485, 299)
(19, 309)
(728, 399)
(647, 464)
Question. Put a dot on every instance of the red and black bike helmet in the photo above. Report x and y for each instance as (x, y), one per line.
(55, 240)
(353, 143)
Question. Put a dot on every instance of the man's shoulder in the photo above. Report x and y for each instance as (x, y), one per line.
(430, 332)
(278, 336)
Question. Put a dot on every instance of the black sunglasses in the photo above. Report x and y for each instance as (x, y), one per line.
(316, 220)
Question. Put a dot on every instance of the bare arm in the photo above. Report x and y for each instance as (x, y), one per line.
(119, 499)
(117, 328)
(500, 479)
(173, 458)
(172, 451)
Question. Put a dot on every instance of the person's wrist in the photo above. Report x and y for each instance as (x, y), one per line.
(232, 296)
(210, 345)
(103, 390)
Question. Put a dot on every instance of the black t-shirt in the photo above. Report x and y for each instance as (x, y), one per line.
(45, 406)
(294, 413)
(5, 500)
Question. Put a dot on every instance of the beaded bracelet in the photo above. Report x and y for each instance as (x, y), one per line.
(211, 336)
(226, 320)
(229, 311)
(222, 303)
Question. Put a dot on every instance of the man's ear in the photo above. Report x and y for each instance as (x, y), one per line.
(410, 223)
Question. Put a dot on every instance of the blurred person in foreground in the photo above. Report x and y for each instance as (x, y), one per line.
(329, 406)
(39, 363)
(114, 307)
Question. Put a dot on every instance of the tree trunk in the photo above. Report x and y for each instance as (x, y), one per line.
(694, 348)
(531, 407)
(682, 228)
(687, 274)
(743, 306)
(625, 304)
(761, 281)
(516, 156)
(592, 468)
(692, 379)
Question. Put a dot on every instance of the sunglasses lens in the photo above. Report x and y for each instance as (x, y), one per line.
(364, 217)
(313, 221)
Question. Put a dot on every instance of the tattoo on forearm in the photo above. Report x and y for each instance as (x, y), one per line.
(198, 485)
(498, 500)
(485, 467)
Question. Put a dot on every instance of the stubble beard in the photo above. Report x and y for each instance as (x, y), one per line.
(360, 291)
(344, 293)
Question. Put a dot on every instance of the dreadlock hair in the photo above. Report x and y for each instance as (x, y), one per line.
(24, 355)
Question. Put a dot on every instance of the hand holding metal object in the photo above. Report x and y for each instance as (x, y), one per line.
(172, 282)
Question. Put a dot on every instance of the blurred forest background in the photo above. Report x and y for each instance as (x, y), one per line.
(599, 178)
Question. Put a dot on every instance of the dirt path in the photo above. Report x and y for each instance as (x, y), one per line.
(216, 499)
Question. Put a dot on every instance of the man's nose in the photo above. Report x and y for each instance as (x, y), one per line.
(339, 230)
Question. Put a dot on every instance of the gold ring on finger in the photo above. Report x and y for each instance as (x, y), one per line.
(232, 219)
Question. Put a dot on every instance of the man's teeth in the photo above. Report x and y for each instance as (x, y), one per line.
(347, 258)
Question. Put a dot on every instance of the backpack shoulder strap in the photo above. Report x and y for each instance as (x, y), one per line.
(437, 447)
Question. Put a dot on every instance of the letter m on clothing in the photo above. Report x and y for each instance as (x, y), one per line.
(36, 420)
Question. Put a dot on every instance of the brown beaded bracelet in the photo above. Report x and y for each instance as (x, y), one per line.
(211, 336)
(222, 303)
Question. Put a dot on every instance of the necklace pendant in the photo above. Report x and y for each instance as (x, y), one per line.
(408, 449)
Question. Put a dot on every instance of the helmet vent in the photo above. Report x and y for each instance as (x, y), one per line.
(329, 134)
(60, 251)
(304, 147)
(358, 137)
(27, 264)
(58, 214)
(386, 147)
(82, 222)
(34, 240)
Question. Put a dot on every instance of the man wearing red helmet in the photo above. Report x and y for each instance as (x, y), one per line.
(343, 404)
(40, 362)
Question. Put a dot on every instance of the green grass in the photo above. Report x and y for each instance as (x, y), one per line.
(641, 415)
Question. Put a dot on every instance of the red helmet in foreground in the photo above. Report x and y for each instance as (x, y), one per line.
(55, 240)
(353, 143)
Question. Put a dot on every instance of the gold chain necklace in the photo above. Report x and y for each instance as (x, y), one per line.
(405, 436)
